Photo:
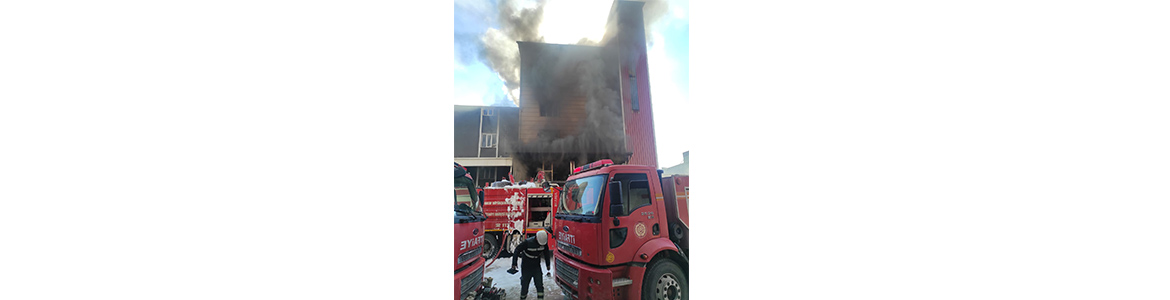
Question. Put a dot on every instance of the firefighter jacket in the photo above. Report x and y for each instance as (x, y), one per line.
(532, 251)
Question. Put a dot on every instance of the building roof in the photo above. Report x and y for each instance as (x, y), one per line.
(679, 169)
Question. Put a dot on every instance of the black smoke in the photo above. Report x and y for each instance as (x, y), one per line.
(561, 74)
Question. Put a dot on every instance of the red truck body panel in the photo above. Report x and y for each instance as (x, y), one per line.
(579, 238)
(505, 207)
(682, 192)
(508, 209)
(468, 236)
(589, 278)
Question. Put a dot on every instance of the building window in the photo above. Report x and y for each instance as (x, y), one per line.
(488, 112)
(548, 110)
(633, 92)
(487, 140)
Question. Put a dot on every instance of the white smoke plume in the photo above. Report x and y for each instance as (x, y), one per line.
(499, 45)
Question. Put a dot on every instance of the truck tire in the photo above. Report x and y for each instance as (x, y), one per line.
(514, 241)
(490, 244)
(664, 280)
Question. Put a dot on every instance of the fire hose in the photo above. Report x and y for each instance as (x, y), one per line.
(494, 257)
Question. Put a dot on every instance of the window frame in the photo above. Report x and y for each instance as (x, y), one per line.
(627, 207)
(492, 139)
(548, 110)
(634, 92)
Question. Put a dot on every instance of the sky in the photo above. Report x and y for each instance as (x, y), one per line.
(566, 22)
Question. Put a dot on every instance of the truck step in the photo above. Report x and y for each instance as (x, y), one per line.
(620, 282)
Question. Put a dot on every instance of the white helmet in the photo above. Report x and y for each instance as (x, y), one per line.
(542, 237)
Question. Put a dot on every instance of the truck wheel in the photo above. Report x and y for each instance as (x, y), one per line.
(665, 281)
(490, 242)
(514, 241)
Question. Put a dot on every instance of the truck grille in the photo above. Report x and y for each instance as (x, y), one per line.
(567, 273)
(569, 248)
(469, 255)
(469, 283)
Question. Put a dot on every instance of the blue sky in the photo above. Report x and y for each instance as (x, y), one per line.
(565, 22)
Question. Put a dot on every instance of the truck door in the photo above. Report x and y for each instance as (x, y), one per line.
(631, 216)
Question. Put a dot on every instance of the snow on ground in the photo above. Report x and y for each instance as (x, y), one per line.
(498, 271)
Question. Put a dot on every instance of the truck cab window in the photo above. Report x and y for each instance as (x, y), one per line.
(468, 206)
(581, 196)
(635, 191)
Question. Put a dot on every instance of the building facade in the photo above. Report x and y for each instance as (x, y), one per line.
(484, 139)
(578, 104)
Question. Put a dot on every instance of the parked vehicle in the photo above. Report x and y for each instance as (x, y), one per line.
(515, 212)
(621, 233)
(469, 219)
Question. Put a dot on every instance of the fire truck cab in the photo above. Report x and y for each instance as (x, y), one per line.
(621, 233)
(469, 219)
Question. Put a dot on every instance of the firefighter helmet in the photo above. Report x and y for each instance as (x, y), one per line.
(542, 237)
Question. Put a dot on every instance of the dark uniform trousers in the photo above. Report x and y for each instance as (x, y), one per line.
(530, 253)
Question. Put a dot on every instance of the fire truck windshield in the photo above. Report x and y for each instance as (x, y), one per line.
(581, 196)
(466, 198)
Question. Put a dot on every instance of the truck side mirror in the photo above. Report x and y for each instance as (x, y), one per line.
(615, 199)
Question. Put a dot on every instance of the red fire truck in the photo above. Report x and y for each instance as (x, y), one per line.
(469, 234)
(514, 213)
(621, 233)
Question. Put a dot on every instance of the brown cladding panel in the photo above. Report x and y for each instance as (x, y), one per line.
(572, 110)
(567, 122)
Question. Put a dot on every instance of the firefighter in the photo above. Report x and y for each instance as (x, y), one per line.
(532, 250)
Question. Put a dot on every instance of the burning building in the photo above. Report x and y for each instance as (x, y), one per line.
(579, 103)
